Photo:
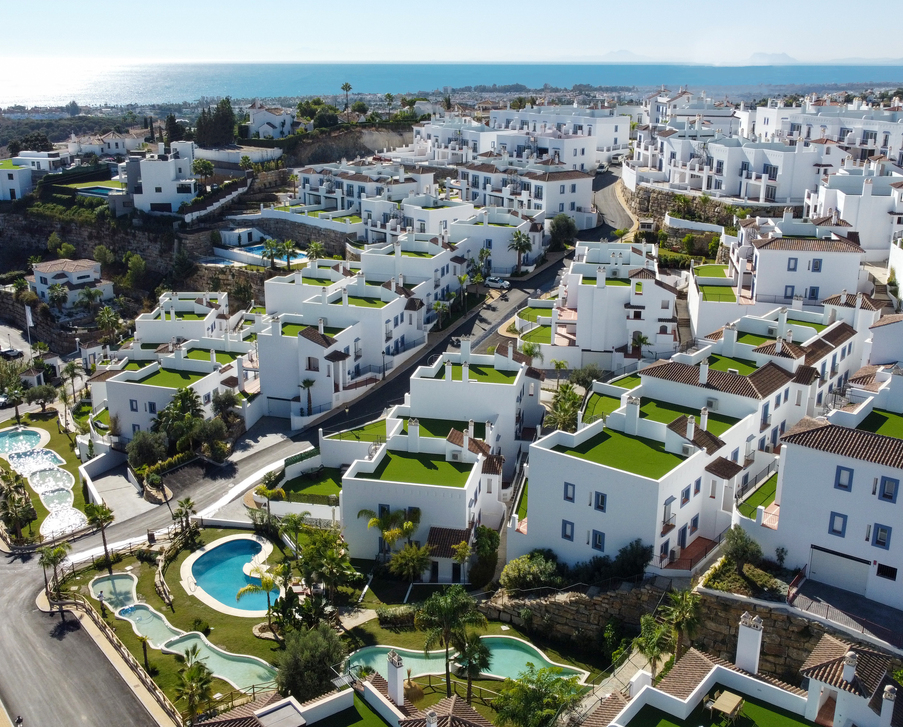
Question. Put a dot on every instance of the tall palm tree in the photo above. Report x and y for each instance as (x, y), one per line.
(185, 508)
(99, 516)
(108, 321)
(390, 98)
(440, 308)
(638, 341)
(293, 524)
(144, 641)
(444, 616)
(462, 281)
(308, 385)
(293, 178)
(267, 585)
(58, 296)
(53, 556)
(683, 614)
(392, 524)
(289, 252)
(17, 510)
(71, 372)
(652, 642)
(473, 658)
(346, 87)
(272, 249)
(88, 298)
(520, 243)
(565, 408)
(315, 250)
(532, 350)
(559, 367)
(15, 395)
(195, 686)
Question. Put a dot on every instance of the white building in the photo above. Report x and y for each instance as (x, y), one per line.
(109, 144)
(269, 123)
(43, 161)
(15, 181)
(161, 182)
(74, 275)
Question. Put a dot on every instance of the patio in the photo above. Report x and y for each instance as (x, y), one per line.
(753, 713)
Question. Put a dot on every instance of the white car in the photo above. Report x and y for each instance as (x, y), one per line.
(494, 282)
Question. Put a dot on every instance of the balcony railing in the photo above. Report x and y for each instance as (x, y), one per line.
(668, 523)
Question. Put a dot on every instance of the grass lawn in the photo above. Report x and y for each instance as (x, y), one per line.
(440, 428)
(136, 365)
(630, 381)
(317, 280)
(362, 302)
(350, 218)
(718, 293)
(416, 253)
(818, 327)
(360, 715)
(223, 357)
(643, 457)
(664, 412)
(532, 314)
(171, 379)
(754, 713)
(82, 412)
(541, 334)
(764, 496)
(608, 281)
(710, 271)
(883, 422)
(367, 433)
(486, 374)
(723, 363)
(423, 469)
(103, 417)
(752, 339)
(191, 316)
(109, 183)
(259, 310)
(327, 482)
(599, 404)
(522, 505)
(293, 329)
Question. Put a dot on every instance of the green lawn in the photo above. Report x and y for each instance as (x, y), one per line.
(316, 280)
(640, 456)
(631, 381)
(752, 339)
(259, 310)
(170, 379)
(608, 281)
(440, 428)
(223, 357)
(415, 253)
(362, 302)
(718, 293)
(883, 422)
(599, 404)
(327, 481)
(710, 271)
(818, 327)
(486, 374)
(367, 433)
(293, 329)
(136, 365)
(109, 183)
(81, 412)
(360, 715)
(191, 316)
(103, 417)
(532, 314)
(723, 363)
(664, 412)
(764, 496)
(540, 334)
(522, 505)
(754, 713)
(350, 218)
(8, 164)
(422, 469)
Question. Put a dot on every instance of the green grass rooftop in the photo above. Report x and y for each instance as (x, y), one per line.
(883, 422)
(483, 374)
(171, 378)
(420, 469)
(637, 455)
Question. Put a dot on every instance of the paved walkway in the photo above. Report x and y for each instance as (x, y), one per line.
(618, 680)
(354, 616)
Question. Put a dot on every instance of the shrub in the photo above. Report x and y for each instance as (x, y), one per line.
(397, 617)
(167, 464)
(201, 625)
(534, 570)
(219, 451)
(145, 555)
(741, 548)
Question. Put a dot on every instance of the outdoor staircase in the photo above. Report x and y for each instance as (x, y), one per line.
(880, 296)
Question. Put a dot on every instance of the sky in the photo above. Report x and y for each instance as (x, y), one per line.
(458, 31)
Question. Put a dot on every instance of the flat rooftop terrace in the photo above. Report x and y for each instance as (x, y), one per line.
(881, 421)
(420, 469)
(171, 378)
(293, 329)
(666, 412)
(753, 713)
(362, 302)
(637, 455)
(483, 374)
(723, 363)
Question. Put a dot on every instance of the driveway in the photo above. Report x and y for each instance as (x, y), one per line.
(852, 610)
(614, 216)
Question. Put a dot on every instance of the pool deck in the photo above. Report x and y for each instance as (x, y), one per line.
(191, 587)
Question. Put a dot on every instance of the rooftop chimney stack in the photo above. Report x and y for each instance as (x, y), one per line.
(704, 371)
(779, 345)
(413, 435)
(691, 427)
(850, 662)
(887, 705)
(396, 680)
(749, 643)
(633, 415)
(704, 419)
(432, 720)
(465, 372)
(321, 326)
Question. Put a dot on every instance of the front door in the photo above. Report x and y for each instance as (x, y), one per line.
(434, 572)
(456, 572)
(682, 537)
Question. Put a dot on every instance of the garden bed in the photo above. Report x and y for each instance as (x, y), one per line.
(766, 581)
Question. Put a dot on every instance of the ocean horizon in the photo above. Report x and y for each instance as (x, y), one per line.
(102, 83)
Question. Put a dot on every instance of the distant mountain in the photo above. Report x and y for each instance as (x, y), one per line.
(771, 59)
(625, 56)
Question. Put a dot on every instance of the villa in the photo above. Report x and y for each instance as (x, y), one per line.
(270, 122)
(161, 182)
(73, 275)
(15, 181)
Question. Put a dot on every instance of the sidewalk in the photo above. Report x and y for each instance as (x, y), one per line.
(119, 664)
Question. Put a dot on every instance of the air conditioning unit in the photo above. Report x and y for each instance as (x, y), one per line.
(687, 450)
(675, 552)
(711, 404)
(769, 448)
(455, 456)
(672, 556)
(772, 330)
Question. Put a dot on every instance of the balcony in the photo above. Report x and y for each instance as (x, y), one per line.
(668, 523)
(766, 422)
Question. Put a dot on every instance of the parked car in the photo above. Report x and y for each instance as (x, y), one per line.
(494, 282)
(4, 401)
(11, 353)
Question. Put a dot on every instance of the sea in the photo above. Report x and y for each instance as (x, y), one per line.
(98, 82)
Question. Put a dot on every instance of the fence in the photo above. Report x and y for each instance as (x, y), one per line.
(759, 480)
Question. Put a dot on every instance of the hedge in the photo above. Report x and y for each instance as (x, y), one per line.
(169, 464)
(400, 616)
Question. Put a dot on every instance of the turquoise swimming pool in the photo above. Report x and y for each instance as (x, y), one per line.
(18, 441)
(219, 572)
(510, 656)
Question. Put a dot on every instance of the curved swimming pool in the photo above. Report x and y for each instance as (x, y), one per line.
(220, 572)
(509, 658)
(19, 440)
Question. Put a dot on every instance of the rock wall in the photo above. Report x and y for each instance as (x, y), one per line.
(348, 144)
(212, 277)
(45, 328)
(333, 240)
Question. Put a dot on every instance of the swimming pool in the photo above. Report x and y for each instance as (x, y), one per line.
(98, 191)
(49, 480)
(33, 460)
(509, 658)
(218, 261)
(118, 589)
(19, 440)
(220, 572)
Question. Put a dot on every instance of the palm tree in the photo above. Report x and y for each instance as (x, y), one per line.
(683, 614)
(652, 642)
(483, 258)
(195, 687)
(565, 408)
(532, 350)
(289, 252)
(293, 178)
(473, 658)
(639, 340)
(108, 321)
(411, 561)
(462, 281)
(346, 87)
(272, 249)
(17, 510)
(444, 616)
(144, 641)
(185, 508)
(71, 372)
(15, 395)
(308, 385)
(392, 524)
(32, 261)
(390, 98)
(58, 296)
(334, 569)
(267, 585)
(315, 250)
(99, 516)
(559, 367)
(440, 308)
(88, 297)
(293, 524)
(53, 556)
(520, 243)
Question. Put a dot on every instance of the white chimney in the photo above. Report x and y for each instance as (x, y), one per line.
(470, 428)
(749, 643)
(465, 372)
(778, 345)
(212, 356)
(240, 373)
(465, 446)
(413, 435)
(396, 678)
(321, 326)
(887, 705)
(789, 335)
(600, 277)
(432, 720)
(704, 418)
(465, 349)
(691, 427)
(633, 415)
(704, 371)
(345, 295)
(448, 370)
(850, 661)
(400, 280)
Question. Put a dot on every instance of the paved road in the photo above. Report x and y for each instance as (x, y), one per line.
(614, 216)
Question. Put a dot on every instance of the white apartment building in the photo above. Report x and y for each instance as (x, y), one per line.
(43, 161)
(342, 186)
(492, 228)
(269, 123)
(161, 182)
(74, 275)
(15, 181)
(109, 144)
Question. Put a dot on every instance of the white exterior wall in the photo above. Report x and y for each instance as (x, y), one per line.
(15, 182)
(839, 271)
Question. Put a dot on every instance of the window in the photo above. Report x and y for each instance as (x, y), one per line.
(684, 495)
(313, 364)
(886, 571)
(881, 536)
(813, 293)
(786, 394)
(133, 404)
(735, 455)
(561, 207)
(888, 489)
(561, 189)
(151, 407)
(570, 491)
(714, 489)
(694, 524)
(598, 541)
(567, 530)
(771, 171)
(601, 501)
(573, 206)
(158, 190)
(573, 189)
(788, 291)
(697, 486)
(791, 264)
(837, 524)
(136, 428)
(816, 266)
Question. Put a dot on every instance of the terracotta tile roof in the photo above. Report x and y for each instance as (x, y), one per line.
(458, 260)
(66, 266)
(382, 686)
(477, 446)
(839, 334)
(805, 375)
(849, 301)
(442, 541)
(641, 274)
(413, 304)
(670, 288)
(806, 244)
(102, 376)
(828, 220)
(788, 349)
(508, 349)
(887, 320)
(450, 712)
(825, 664)
(817, 350)
(558, 176)
(535, 373)
(845, 442)
(865, 378)
(768, 379)
(701, 438)
(243, 715)
(321, 339)
(485, 168)
(716, 335)
(877, 699)
(492, 465)
(748, 221)
(723, 468)
(335, 356)
(606, 711)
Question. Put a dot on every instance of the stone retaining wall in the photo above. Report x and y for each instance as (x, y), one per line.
(45, 328)
(215, 277)
(333, 240)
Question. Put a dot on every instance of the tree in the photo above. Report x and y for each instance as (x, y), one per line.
(392, 524)
(53, 556)
(315, 251)
(533, 570)
(390, 98)
(447, 105)
(108, 322)
(34, 141)
(462, 553)
(537, 698)
(520, 243)
(68, 251)
(267, 585)
(224, 403)
(585, 375)
(146, 448)
(638, 341)
(439, 307)
(272, 249)
(245, 162)
(473, 658)
(137, 268)
(410, 562)
(462, 281)
(304, 667)
(43, 395)
(293, 525)
(652, 642)
(202, 168)
(72, 108)
(444, 616)
(179, 419)
(54, 242)
(17, 510)
(210, 434)
(565, 408)
(559, 366)
(333, 569)
(185, 508)
(346, 87)
(741, 548)
(195, 686)
(58, 296)
(683, 614)
(104, 255)
(174, 130)
(308, 385)
(288, 251)
(359, 107)
(100, 516)
(71, 373)
(531, 350)
(325, 119)
(88, 299)
(144, 641)
(562, 230)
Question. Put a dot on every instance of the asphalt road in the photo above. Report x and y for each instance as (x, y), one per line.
(614, 216)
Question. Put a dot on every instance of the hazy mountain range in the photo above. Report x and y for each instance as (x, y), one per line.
(756, 59)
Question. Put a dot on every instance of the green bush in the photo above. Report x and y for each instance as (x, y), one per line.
(146, 556)
(397, 617)
(200, 625)
(219, 451)
(534, 570)
(167, 464)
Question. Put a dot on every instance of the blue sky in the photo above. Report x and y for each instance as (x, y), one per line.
(462, 30)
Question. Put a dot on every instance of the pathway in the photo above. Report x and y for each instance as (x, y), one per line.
(618, 680)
